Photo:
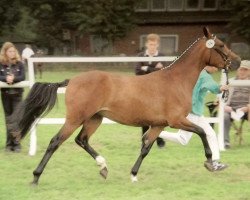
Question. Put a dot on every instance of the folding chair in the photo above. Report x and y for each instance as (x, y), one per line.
(239, 129)
(213, 110)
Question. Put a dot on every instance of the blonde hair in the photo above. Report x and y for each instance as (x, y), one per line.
(3, 57)
(153, 37)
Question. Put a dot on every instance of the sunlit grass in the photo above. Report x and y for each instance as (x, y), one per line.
(174, 172)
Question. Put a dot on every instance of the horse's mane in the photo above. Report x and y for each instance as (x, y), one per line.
(183, 55)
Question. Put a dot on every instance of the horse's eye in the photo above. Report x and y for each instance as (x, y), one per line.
(222, 45)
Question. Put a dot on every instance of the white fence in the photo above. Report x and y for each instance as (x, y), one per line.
(30, 82)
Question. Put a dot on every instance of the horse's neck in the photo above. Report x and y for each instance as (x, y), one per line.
(189, 67)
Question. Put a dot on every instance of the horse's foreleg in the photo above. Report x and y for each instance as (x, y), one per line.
(189, 126)
(148, 141)
(89, 127)
(55, 142)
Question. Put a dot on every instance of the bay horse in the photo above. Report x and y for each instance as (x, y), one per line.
(157, 100)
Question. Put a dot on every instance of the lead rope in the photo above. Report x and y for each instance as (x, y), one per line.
(178, 57)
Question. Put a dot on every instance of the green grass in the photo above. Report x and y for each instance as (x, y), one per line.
(175, 172)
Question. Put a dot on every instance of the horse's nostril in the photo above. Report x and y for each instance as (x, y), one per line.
(235, 64)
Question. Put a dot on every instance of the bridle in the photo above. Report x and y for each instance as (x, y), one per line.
(224, 56)
(227, 62)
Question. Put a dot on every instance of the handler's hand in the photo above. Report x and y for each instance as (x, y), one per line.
(224, 87)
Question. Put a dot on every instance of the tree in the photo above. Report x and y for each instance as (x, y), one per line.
(240, 21)
(49, 17)
(9, 14)
(109, 19)
(24, 29)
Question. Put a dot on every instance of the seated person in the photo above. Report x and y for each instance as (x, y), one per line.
(239, 100)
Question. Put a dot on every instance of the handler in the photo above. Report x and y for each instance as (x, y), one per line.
(204, 84)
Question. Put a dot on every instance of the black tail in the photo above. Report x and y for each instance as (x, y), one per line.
(40, 100)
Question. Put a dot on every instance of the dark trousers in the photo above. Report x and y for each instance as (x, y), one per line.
(10, 103)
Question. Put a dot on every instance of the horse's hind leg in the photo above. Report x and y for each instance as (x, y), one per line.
(55, 142)
(89, 127)
(148, 141)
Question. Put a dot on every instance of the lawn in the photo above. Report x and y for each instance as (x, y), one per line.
(174, 172)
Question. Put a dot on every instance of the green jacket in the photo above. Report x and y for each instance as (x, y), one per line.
(204, 84)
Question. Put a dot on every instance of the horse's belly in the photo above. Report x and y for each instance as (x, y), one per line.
(135, 119)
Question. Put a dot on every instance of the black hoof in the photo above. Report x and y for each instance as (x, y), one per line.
(209, 166)
(33, 184)
(104, 172)
(35, 181)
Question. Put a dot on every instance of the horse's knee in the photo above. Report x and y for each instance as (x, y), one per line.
(145, 150)
(200, 131)
(81, 142)
(77, 140)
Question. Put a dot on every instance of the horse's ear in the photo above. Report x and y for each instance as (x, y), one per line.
(206, 32)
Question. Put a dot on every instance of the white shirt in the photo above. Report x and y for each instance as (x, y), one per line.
(27, 53)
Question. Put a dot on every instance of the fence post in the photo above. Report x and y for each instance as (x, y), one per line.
(33, 141)
(33, 137)
(221, 116)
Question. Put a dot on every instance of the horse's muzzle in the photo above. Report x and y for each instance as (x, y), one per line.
(235, 63)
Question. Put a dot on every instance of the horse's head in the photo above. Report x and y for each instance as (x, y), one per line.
(219, 55)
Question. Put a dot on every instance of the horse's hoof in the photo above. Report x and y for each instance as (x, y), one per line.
(133, 178)
(104, 172)
(33, 183)
(209, 166)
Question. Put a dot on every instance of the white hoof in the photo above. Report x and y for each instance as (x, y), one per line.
(133, 178)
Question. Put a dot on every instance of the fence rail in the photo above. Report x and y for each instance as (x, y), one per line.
(30, 82)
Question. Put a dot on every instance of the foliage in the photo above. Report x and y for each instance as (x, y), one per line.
(110, 19)
(9, 15)
(24, 29)
(49, 16)
(240, 20)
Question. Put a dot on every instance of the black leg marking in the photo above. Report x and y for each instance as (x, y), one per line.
(53, 146)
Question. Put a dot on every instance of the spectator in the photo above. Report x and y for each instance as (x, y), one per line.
(204, 84)
(238, 102)
(151, 50)
(27, 53)
(11, 71)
